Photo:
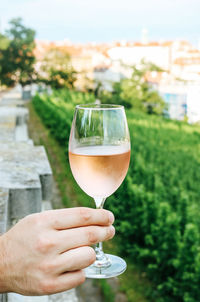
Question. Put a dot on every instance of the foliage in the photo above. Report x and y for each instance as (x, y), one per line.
(56, 69)
(136, 92)
(4, 42)
(17, 59)
(107, 291)
(57, 111)
(157, 206)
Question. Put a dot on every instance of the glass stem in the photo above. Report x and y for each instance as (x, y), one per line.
(101, 259)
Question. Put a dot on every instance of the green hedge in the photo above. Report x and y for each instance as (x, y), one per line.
(157, 206)
(57, 111)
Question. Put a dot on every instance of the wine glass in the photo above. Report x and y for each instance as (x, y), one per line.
(99, 156)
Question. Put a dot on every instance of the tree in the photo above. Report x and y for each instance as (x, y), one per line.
(56, 69)
(136, 92)
(17, 60)
(4, 42)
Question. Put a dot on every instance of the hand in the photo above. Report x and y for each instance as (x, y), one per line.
(44, 253)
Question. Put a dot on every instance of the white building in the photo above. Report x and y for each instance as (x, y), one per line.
(183, 100)
(193, 103)
(159, 55)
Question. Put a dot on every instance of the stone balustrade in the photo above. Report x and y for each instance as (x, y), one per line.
(25, 178)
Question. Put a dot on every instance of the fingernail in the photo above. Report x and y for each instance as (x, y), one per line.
(112, 230)
(111, 218)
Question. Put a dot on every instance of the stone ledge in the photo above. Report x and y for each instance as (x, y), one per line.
(7, 134)
(4, 196)
(18, 113)
(13, 124)
(21, 133)
(18, 161)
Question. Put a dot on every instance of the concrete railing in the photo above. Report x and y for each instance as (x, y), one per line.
(25, 177)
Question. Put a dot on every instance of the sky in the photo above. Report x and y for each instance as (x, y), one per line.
(106, 20)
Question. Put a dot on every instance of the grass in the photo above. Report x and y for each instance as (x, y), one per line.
(133, 283)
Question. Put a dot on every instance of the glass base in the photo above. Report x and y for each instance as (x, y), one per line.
(117, 267)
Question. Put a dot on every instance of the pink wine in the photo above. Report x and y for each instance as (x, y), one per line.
(100, 170)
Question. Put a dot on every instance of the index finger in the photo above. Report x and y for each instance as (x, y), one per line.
(77, 217)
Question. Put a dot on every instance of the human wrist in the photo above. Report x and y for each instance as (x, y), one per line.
(3, 266)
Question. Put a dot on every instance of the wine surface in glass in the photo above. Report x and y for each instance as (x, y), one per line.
(100, 170)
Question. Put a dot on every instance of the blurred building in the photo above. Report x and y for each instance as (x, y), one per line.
(179, 61)
(133, 55)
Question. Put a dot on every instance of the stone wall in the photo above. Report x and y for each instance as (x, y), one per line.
(25, 177)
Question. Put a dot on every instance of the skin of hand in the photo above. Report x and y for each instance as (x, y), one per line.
(45, 253)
